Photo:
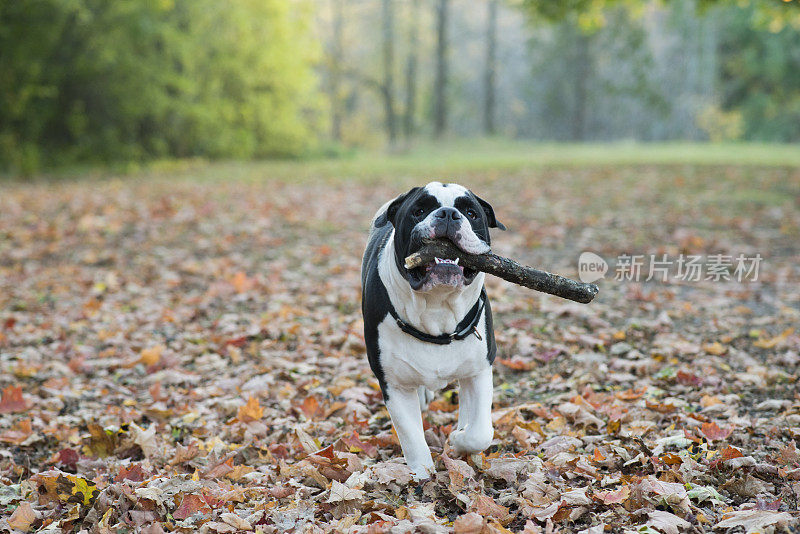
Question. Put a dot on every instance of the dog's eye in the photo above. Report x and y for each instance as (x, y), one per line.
(472, 214)
(418, 212)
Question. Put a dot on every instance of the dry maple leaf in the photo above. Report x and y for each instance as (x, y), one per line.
(616, 496)
(458, 470)
(12, 400)
(18, 433)
(251, 411)
(469, 523)
(713, 432)
(23, 517)
(755, 521)
(190, 505)
(341, 492)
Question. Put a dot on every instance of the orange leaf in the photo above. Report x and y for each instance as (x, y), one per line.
(713, 432)
(12, 400)
(312, 408)
(731, 452)
(516, 363)
(709, 400)
(616, 496)
(19, 433)
(251, 411)
(151, 355)
(441, 405)
(190, 505)
(598, 456)
(241, 283)
(631, 394)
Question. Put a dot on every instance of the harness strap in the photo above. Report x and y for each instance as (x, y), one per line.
(467, 326)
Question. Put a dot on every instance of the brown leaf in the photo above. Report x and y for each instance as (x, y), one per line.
(251, 411)
(190, 505)
(18, 433)
(312, 408)
(23, 517)
(616, 496)
(713, 432)
(12, 400)
(469, 523)
(486, 507)
(356, 445)
(151, 355)
(458, 470)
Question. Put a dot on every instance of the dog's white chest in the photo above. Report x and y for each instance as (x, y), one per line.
(409, 362)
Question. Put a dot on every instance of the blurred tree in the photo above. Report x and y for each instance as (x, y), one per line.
(440, 83)
(336, 65)
(409, 125)
(759, 55)
(490, 69)
(388, 71)
(100, 79)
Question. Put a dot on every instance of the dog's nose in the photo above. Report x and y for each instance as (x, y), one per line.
(448, 213)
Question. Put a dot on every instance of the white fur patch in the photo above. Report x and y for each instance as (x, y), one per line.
(446, 194)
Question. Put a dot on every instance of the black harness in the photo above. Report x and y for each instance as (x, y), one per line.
(467, 326)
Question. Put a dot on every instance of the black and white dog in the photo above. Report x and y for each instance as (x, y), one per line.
(431, 325)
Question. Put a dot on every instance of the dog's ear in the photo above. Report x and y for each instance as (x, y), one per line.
(489, 211)
(391, 210)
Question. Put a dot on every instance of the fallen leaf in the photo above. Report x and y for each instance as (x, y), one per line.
(151, 355)
(191, 504)
(341, 492)
(713, 432)
(667, 523)
(771, 343)
(251, 411)
(616, 496)
(22, 518)
(754, 521)
(469, 523)
(12, 400)
(21, 431)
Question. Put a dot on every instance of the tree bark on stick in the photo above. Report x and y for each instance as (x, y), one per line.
(506, 269)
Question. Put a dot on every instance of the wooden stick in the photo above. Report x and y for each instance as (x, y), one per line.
(506, 269)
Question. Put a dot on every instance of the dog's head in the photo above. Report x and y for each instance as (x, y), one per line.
(440, 211)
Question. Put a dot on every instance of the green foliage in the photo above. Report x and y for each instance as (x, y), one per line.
(136, 79)
(760, 71)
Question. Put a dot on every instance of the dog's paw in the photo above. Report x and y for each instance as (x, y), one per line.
(469, 441)
(425, 397)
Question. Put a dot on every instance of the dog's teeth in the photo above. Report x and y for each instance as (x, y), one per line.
(456, 262)
(438, 260)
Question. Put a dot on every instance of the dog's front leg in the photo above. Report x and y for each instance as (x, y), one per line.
(474, 432)
(403, 406)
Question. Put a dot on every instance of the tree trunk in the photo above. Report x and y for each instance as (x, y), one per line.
(490, 69)
(440, 87)
(388, 71)
(336, 70)
(411, 72)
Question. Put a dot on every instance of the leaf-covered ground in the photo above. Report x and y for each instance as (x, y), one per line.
(181, 356)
